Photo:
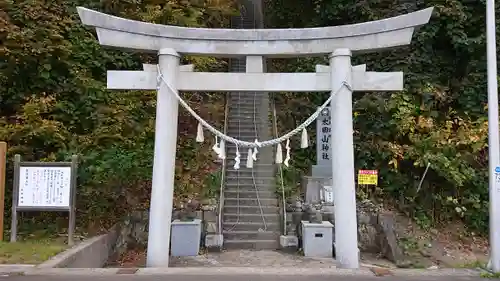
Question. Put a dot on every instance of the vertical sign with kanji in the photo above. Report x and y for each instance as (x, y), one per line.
(324, 139)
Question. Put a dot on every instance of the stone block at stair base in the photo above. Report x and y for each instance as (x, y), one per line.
(214, 241)
(186, 236)
(289, 241)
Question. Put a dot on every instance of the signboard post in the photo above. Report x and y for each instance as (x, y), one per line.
(3, 153)
(44, 186)
(368, 178)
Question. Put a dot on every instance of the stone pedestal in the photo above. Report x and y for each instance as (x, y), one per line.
(322, 171)
(312, 187)
(317, 239)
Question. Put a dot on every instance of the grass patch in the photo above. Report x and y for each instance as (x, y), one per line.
(29, 251)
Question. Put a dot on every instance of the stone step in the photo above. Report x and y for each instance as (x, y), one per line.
(244, 135)
(248, 172)
(251, 121)
(236, 114)
(246, 209)
(247, 105)
(252, 244)
(251, 226)
(239, 98)
(244, 180)
(266, 172)
(247, 127)
(234, 217)
(257, 110)
(232, 116)
(256, 165)
(233, 184)
(243, 193)
(247, 101)
(264, 192)
(232, 148)
(250, 235)
(248, 95)
(250, 202)
(249, 136)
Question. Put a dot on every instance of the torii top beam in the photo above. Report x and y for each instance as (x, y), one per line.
(147, 37)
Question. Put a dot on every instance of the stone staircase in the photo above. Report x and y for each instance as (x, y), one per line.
(251, 217)
(246, 223)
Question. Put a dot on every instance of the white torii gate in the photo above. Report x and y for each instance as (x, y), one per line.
(338, 42)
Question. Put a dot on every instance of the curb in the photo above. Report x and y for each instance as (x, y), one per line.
(92, 252)
(290, 271)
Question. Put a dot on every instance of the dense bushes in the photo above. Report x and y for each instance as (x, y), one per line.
(440, 118)
(54, 102)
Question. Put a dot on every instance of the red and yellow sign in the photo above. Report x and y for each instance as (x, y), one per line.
(367, 177)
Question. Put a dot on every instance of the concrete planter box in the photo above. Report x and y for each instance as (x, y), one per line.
(185, 239)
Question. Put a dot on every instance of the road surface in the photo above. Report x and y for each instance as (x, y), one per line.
(234, 278)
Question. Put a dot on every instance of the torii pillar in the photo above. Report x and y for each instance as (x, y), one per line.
(346, 238)
(162, 189)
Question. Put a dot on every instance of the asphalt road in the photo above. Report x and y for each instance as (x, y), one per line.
(234, 278)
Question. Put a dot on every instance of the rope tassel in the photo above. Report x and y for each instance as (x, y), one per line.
(279, 154)
(255, 150)
(249, 159)
(304, 141)
(237, 159)
(222, 150)
(216, 148)
(287, 158)
(199, 134)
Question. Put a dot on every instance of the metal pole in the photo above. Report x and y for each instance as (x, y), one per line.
(3, 161)
(493, 137)
(162, 191)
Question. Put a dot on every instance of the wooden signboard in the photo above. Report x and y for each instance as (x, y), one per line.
(44, 186)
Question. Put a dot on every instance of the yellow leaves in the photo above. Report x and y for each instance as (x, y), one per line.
(397, 152)
(394, 163)
(425, 123)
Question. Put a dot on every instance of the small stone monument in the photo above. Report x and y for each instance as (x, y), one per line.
(321, 173)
